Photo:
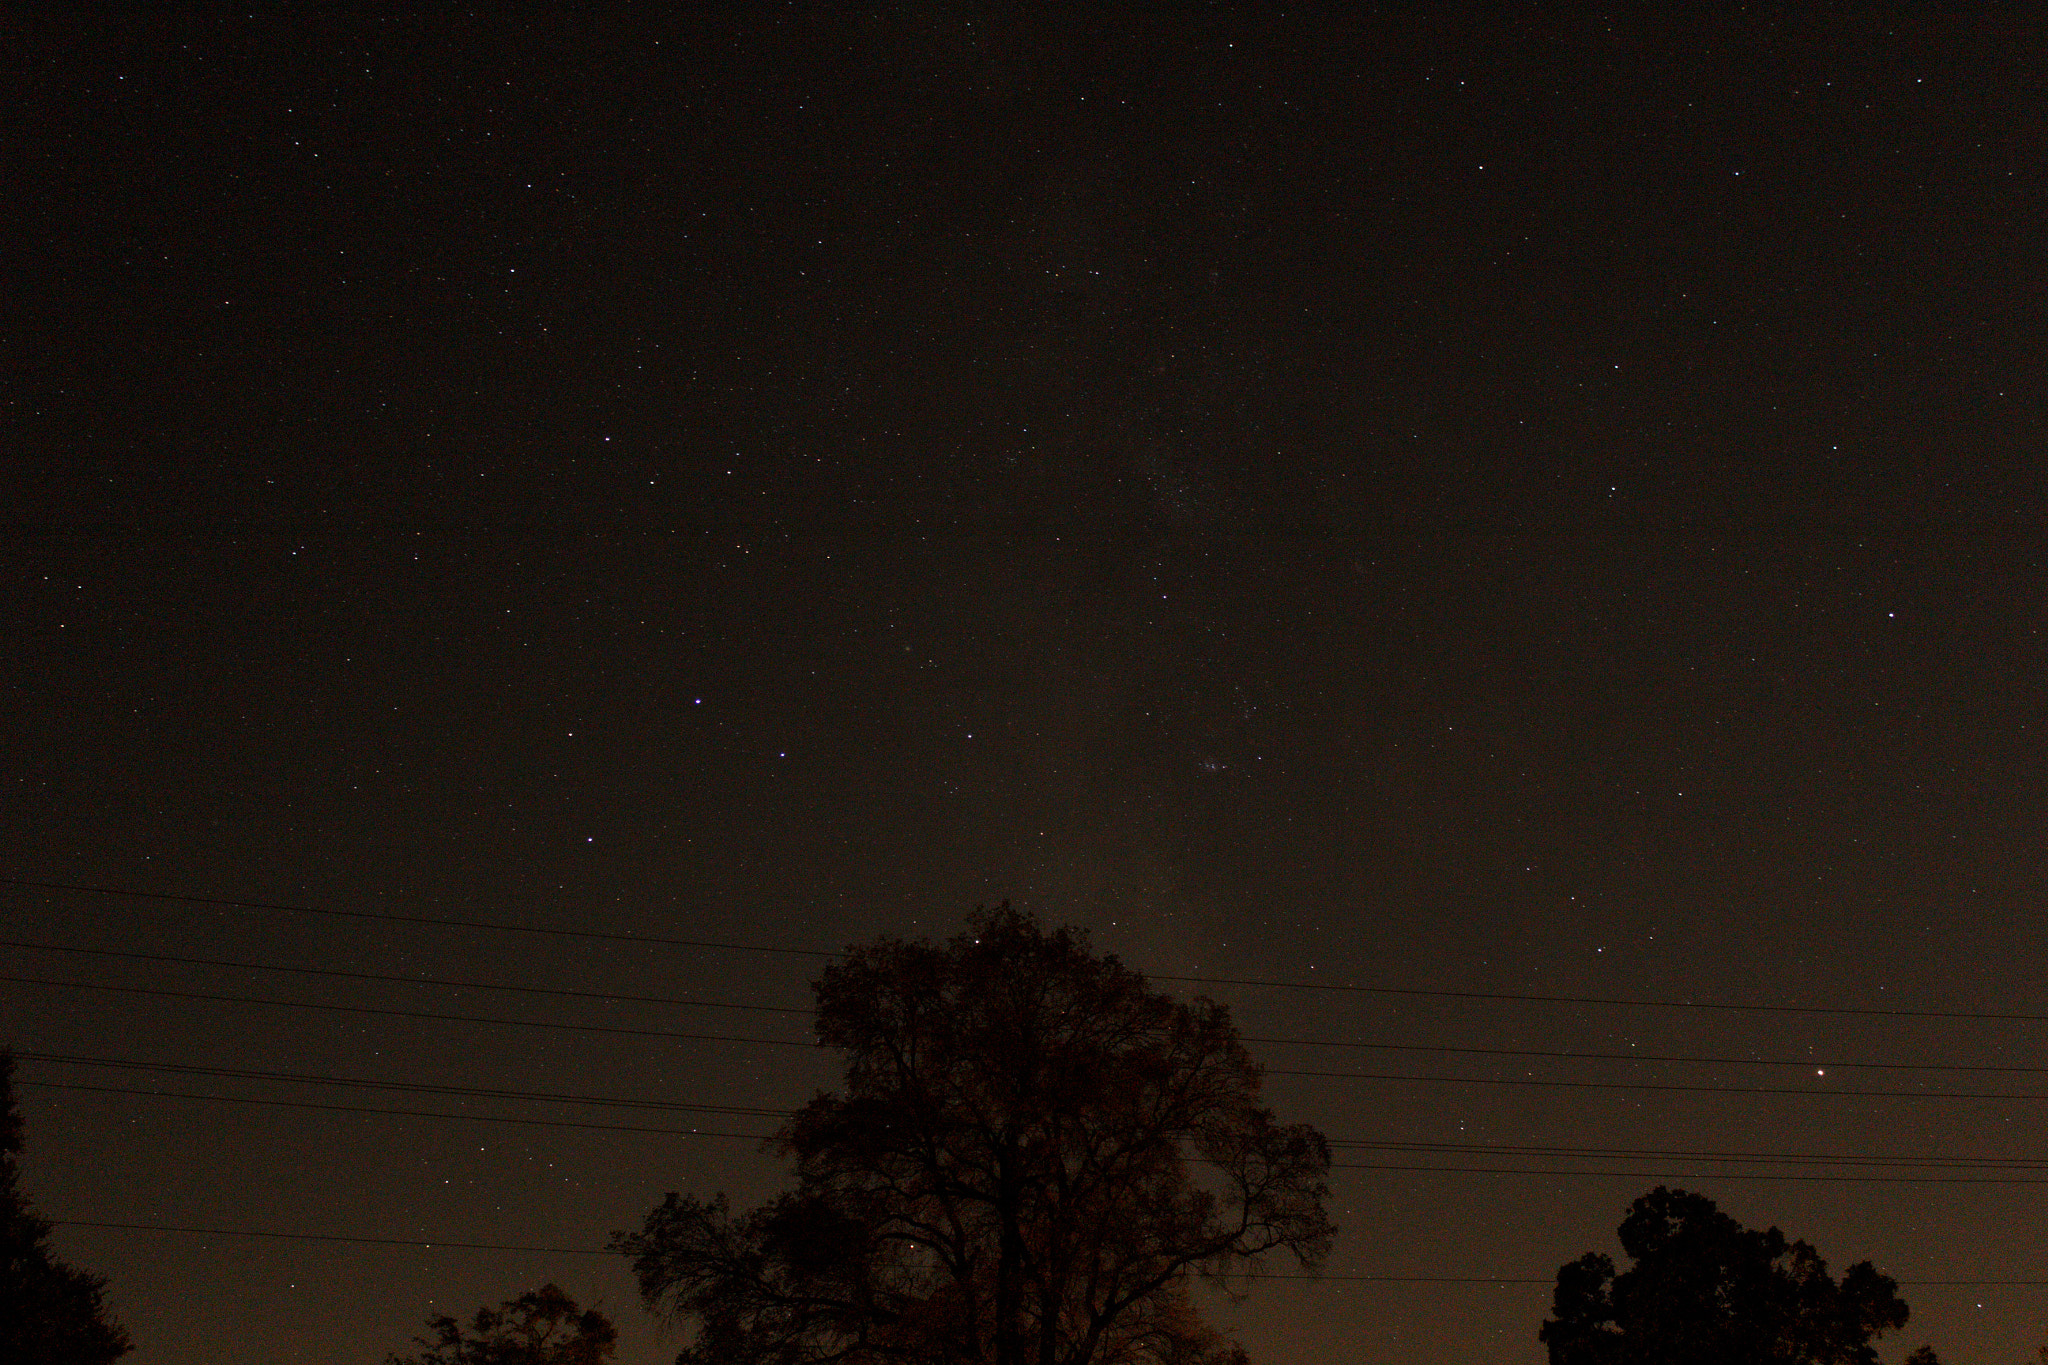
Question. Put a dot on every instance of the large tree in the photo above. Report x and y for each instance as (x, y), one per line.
(51, 1313)
(1704, 1290)
(1031, 1159)
(541, 1327)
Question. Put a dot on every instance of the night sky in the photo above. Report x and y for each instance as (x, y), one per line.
(1513, 508)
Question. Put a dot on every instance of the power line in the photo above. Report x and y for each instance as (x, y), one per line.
(1518, 1082)
(405, 980)
(425, 1245)
(565, 1097)
(1490, 1149)
(1567, 1055)
(1530, 1082)
(501, 926)
(1630, 1153)
(1409, 1168)
(1485, 1279)
(398, 1113)
(1862, 1011)
(618, 1101)
(1562, 1054)
(1774, 1176)
(408, 1014)
(1406, 1168)
(414, 1243)
(1417, 992)
(410, 1087)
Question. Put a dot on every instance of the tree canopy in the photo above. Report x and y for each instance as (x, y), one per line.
(1704, 1290)
(541, 1327)
(1032, 1157)
(51, 1313)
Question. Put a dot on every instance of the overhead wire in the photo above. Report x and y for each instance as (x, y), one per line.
(439, 981)
(1404, 1167)
(664, 941)
(426, 1244)
(1630, 1153)
(1472, 1150)
(1263, 1040)
(411, 1087)
(1666, 1087)
(409, 1014)
(512, 1119)
(1518, 1082)
(1390, 1147)
(1336, 1165)
(501, 926)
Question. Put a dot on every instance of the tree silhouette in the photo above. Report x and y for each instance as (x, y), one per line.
(1704, 1290)
(50, 1313)
(1032, 1156)
(540, 1327)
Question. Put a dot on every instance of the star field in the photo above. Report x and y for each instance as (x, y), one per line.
(1527, 518)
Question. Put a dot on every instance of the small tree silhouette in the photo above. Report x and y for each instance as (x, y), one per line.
(50, 1313)
(540, 1327)
(1704, 1290)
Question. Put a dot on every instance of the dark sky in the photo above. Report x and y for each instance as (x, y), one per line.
(1402, 502)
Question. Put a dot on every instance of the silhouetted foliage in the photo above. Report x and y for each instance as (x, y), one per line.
(50, 1313)
(1704, 1290)
(540, 1327)
(1032, 1157)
